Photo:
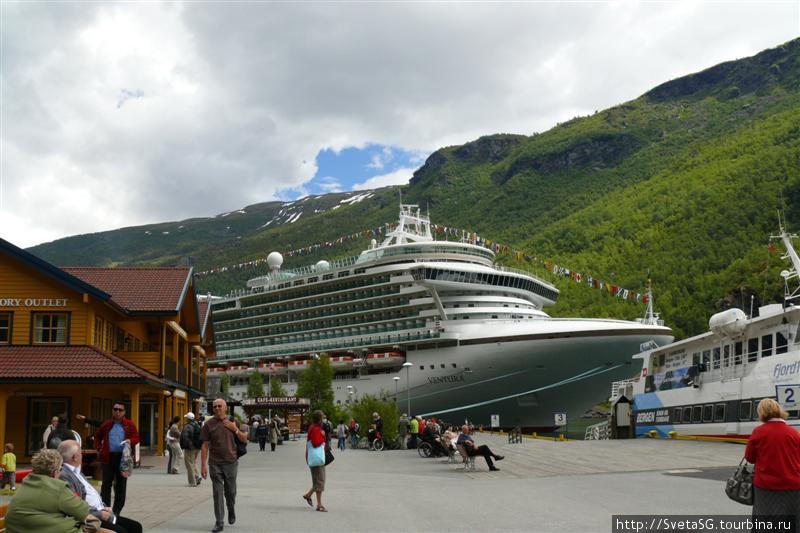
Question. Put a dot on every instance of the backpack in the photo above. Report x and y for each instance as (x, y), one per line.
(190, 438)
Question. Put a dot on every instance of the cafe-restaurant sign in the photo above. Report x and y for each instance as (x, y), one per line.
(33, 302)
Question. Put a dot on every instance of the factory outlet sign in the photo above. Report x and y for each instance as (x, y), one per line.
(33, 302)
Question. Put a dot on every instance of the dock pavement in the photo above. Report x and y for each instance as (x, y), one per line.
(542, 485)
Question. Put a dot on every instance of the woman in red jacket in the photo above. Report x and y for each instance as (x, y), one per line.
(317, 438)
(774, 447)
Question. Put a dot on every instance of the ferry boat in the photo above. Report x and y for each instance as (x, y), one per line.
(434, 325)
(710, 384)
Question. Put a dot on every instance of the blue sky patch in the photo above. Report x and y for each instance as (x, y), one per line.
(372, 166)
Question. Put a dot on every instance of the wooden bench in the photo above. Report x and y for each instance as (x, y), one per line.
(468, 460)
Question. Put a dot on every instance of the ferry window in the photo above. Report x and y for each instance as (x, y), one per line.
(726, 355)
(51, 328)
(442, 365)
(697, 412)
(707, 359)
(716, 359)
(344, 273)
(766, 345)
(794, 413)
(687, 415)
(676, 415)
(719, 412)
(755, 408)
(708, 411)
(797, 335)
(737, 353)
(752, 350)
(745, 410)
(780, 343)
(5, 329)
(696, 358)
(433, 366)
(422, 367)
(454, 365)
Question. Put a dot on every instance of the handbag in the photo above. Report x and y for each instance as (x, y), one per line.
(315, 456)
(739, 486)
(328, 455)
(241, 447)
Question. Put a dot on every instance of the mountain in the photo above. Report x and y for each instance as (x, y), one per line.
(682, 184)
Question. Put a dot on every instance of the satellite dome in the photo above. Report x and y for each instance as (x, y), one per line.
(274, 260)
(322, 265)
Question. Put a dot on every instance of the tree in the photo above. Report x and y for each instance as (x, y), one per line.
(255, 386)
(316, 384)
(362, 411)
(276, 388)
(225, 383)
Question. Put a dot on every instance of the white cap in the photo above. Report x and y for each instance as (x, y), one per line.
(190, 416)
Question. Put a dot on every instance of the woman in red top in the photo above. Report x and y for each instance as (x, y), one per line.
(774, 447)
(316, 437)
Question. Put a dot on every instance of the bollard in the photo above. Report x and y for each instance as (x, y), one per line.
(653, 434)
(673, 434)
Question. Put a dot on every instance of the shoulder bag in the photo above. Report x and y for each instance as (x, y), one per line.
(739, 486)
(316, 456)
(328, 455)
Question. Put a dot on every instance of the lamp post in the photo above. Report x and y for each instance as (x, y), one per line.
(408, 388)
(396, 379)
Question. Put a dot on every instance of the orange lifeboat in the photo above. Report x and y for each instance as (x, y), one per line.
(300, 364)
(344, 361)
(385, 359)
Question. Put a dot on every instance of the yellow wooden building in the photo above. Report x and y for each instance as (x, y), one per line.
(75, 340)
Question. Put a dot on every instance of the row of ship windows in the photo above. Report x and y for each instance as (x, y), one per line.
(716, 412)
(373, 321)
(405, 250)
(480, 278)
(232, 320)
(320, 336)
(267, 319)
(323, 289)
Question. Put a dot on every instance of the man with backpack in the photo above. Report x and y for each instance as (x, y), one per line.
(190, 444)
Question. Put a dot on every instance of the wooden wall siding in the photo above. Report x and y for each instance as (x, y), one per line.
(150, 361)
(17, 281)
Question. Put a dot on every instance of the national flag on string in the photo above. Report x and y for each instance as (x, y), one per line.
(771, 248)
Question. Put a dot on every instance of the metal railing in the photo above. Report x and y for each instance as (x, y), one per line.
(600, 431)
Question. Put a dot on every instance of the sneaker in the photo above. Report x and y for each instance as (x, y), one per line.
(494, 469)
(198, 480)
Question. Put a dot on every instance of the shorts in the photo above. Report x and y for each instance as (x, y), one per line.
(317, 478)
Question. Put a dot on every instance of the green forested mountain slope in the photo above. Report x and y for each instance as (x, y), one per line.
(684, 182)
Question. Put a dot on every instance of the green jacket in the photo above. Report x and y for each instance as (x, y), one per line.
(45, 505)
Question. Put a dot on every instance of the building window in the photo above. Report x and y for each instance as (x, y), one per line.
(98, 332)
(50, 328)
(5, 328)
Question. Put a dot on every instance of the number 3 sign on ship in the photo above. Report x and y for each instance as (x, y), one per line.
(788, 396)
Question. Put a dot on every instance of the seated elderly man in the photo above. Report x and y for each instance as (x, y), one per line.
(71, 473)
(472, 449)
(45, 504)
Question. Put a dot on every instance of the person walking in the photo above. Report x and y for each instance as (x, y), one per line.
(316, 436)
(273, 432)
(174, 445)
(341, 434)
(413, 429)
(774, 447)
(354, 433)
(262, 433)
(109, 439)
(402, 430)
(218, 456)
(190, 445)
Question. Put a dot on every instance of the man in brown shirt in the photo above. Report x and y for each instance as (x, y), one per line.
(219, 451)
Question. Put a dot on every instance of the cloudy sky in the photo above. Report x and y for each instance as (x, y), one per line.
(117, 114)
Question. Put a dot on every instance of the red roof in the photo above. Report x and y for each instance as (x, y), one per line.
(139, 289)
(67, 363)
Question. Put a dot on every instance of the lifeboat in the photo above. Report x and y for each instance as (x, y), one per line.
(300, 364)
(345, 361)
(216, 369)
(277, 368)
(238, 368)
(385, 359)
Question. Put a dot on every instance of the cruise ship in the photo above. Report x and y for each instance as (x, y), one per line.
(710, 384)
(436, 326)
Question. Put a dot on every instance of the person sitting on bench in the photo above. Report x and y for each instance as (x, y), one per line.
(472, 449)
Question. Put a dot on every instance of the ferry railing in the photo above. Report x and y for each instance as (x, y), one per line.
(515, 435)
(599, 431)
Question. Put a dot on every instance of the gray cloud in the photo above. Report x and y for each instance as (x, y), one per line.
(119, 114)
